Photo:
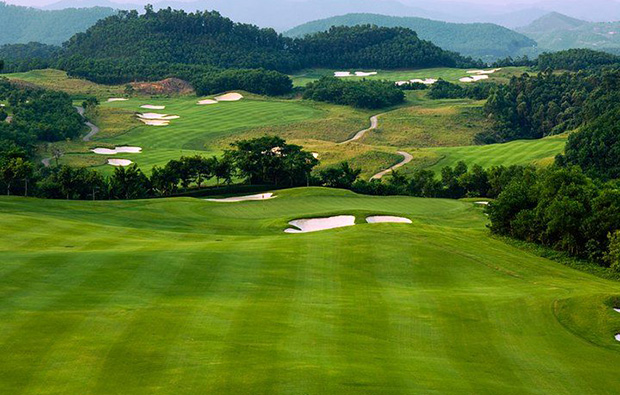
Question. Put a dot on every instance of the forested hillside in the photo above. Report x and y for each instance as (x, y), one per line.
(478, 40)
(558, 32)
(208, 39)
(23, 25)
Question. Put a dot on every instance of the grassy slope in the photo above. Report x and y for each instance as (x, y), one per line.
(169, 296)
(58, 80)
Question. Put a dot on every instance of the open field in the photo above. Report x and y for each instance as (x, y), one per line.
(303, 77)
(185, 295)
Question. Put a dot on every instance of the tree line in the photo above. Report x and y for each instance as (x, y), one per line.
(267, 160)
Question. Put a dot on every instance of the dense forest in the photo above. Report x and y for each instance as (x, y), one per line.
(208, 39)
(361, 94)
(23, 24)
(546, 104)
(478, 40)
(30, 56)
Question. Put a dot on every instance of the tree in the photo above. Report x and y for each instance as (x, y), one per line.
(341, 176)
(612, 257)
(15, 169)
(223, 169)
(129, 183)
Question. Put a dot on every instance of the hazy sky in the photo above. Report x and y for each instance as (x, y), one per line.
(35, 3)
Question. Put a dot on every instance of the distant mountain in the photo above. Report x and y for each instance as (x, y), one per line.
(285, 14)
(559, 32)
(478, 40)
(20, 25)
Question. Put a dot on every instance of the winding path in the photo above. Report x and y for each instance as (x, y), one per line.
(93, 128)
(407, 158)
(374, 123)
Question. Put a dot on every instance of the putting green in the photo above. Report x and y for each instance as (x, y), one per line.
(190, 296)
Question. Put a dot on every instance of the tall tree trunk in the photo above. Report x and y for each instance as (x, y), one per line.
(26, 187)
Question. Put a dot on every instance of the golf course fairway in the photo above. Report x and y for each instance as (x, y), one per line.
(190, 296)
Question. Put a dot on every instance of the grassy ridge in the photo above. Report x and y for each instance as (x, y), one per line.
(183, 295)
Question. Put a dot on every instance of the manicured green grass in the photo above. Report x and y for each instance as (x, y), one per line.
(303, 77)
(189, 296)
(202, 130)
(521, 152)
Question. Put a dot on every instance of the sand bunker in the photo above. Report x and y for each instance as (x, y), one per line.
(482, 203)
(262, 196)
(161, 117)
(428, 81)
(618, 337)
(318, 224)
(155, 119)
(151, 107)
(230, 97)
(617, 310)
(117, 150)
(119, 162)
(383, 219)
(365, 74)
(483, 71)
(474, 78)
(315, 155)
(112, 99)
(207, 101)
(342, 74)
(151, 122)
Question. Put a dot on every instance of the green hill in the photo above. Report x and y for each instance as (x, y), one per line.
(478, 40)
(130, 41)
(559, 32)
(20, 25)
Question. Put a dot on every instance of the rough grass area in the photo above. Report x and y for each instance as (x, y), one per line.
(184, 295)
(58, 80)
(430, 123)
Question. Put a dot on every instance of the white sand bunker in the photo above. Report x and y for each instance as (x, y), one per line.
(474, 78)
(318, 224)
(207, 101)
(617, 310)
(117, 150)
(427, 81)
(262, 196)
(151, 122)
(384, 219)
(151, 107)
(365, 74)
(482, 203)
(341, 74)
(618, 337)
(113, 99)
(119, 162)
(230, 97)
(155, 119)
(483, 71)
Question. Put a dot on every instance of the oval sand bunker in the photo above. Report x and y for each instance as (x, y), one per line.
(113, 99)
(617, 337)
(250, 198)
(151, 107)
(387, 219)
(318, 224)
(119, 162)
(206, 102)
(230, 97)
(117, 150)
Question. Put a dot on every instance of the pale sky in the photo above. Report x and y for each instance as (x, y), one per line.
(35, 3)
